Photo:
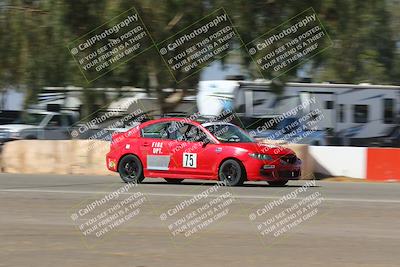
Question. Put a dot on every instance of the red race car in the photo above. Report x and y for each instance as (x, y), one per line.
(176, 149)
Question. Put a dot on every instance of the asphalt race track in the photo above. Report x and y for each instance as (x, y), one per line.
(353, 224)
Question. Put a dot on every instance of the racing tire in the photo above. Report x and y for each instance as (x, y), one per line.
(278, 183)
(130, 169)
(173, 181)
(231, 173)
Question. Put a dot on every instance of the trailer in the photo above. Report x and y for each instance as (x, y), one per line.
(349, 111)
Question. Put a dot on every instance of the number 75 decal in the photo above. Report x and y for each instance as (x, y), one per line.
(189, 160)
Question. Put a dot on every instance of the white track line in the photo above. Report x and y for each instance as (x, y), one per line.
(191, 195)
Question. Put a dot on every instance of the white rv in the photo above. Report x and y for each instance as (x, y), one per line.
(349, 110)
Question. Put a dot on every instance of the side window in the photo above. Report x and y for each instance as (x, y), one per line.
(182, 132)
(157, 130)
(388, 110)
(55, 121)
(341, 113)
(189, 132)
(194, 134)
(360, 113)
(70, 120)
(66, 120)
(220, 131)
(260, 103)
(328, 104)
(239, 102)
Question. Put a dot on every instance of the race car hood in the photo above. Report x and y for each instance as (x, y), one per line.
(265, 148)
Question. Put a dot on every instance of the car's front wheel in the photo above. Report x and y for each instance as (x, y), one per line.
(130, 169)
(231, 173)
(278, 183)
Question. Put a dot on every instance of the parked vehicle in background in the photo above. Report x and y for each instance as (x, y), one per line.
(352, 113)
(33, 124)
(117, 124)
(290, 130)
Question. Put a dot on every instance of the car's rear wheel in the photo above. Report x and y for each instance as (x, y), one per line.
(130, 169)
(173, 181)
(278, 183)
(231, 173)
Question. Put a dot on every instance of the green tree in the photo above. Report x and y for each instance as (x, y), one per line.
(34, 36)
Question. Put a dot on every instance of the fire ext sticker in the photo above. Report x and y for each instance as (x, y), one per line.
(189, 160)
(157, 147)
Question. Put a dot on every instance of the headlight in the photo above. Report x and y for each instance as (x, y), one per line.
(260, 156)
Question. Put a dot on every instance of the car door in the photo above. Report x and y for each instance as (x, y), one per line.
(191, 155)
(154, 147)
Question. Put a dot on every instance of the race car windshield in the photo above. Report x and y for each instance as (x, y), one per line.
(227, 133)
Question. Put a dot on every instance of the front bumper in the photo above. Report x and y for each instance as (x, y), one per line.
(292, 174)
(260, 170)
